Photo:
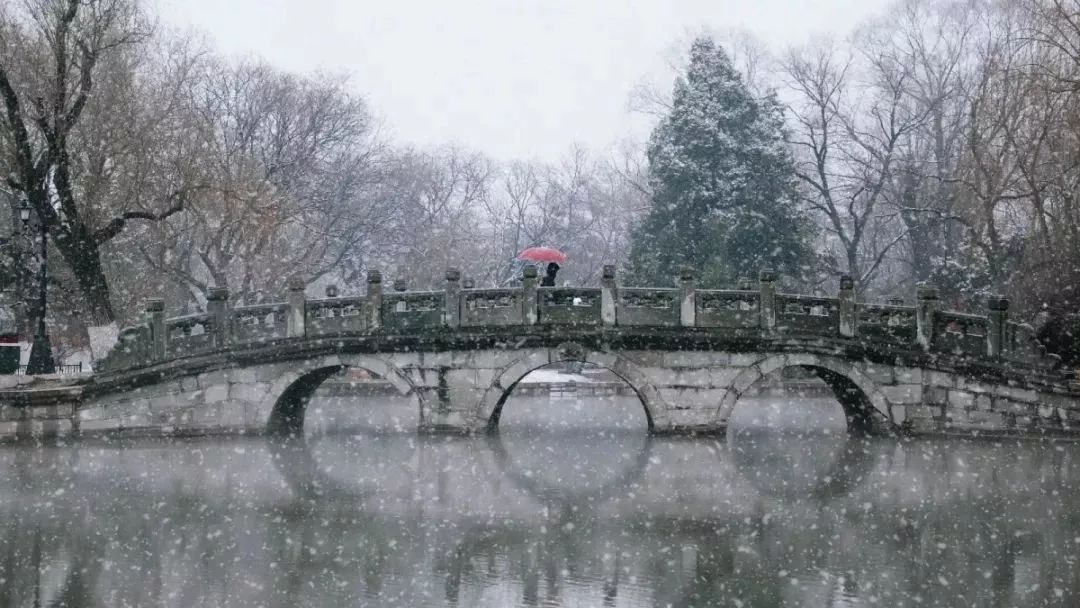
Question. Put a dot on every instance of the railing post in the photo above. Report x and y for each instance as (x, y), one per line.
(767, 290)
(848, 320)
(453, 297)
(687, 312)
(926, 305)
(528, 295)
(998, 317)
(217, 308)
(296, 318)
(155, 317)
(374, 299)
(608, 295)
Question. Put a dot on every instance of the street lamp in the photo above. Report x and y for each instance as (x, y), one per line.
(41, 360)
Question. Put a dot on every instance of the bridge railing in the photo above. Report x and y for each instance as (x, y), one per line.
(746, 309)
(489, 307)
(260, 322)
(888, 322)
(960, 334)
(807, 314)
(578, 306)
(336, 315)
(727, 308)
(648, 306)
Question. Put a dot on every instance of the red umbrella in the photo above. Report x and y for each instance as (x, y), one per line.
(542, 254)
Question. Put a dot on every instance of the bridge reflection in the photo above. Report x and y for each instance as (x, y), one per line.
(527, 520)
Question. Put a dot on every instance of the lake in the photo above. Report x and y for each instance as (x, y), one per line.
(546, 513)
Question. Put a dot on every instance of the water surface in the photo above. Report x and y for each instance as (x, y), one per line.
(540, 517)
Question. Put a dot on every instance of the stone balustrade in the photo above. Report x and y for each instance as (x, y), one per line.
(750, 310)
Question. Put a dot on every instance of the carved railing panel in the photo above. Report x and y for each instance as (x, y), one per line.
(568, 306)
(260, 322)
(886, 322)
(336, 315)
(481, 307)
(727, 308)
(410, 310)
(960, 334)
(807, 314)
(189, 334)
(644, 306)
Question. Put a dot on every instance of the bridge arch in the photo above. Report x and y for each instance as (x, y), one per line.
(286, 402)
(490, 407)
(865, 406)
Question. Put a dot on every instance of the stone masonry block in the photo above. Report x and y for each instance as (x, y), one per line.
(882, 375)
(189, 384)
(907, 394)
(215, 378)
(908, 375)
(984, 402)
(942, 379)
(691, 358)
(244, 375)
(1013, 393)
(249, 393)
(961, 399)
(696, 377)
(166, 403)
(722, 377)
(935, 395)
(745, 359)
(216, 393)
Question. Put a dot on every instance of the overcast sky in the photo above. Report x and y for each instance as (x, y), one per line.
(512, 78)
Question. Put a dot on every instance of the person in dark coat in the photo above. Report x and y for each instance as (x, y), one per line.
(549, 275)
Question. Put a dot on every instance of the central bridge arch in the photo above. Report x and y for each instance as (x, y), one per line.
(489, 410)
(865, 407)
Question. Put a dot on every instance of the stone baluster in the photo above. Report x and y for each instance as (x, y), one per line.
(608, 295)
(374, 300)
(468, 283)
(453, 297)
(529, 305)
(995, 332)
(895, 301)
(767, 290)
(848, 318)
(155, 318)
(926, 304)
(217, 308)
(745, 284)
(296, 315)
(400, 285)
(687, 286)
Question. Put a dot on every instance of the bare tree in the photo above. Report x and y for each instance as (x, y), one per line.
(846, 146)
(61, 61)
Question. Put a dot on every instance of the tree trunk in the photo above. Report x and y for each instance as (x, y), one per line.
(83, 256)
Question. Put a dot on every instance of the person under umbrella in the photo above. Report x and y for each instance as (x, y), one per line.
(549, 275)
(549, 255)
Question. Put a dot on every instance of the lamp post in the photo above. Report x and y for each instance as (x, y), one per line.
(41, 360)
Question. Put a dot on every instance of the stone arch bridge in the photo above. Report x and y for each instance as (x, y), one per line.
(688, 353)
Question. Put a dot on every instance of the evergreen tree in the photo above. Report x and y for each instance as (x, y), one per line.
(722, 180)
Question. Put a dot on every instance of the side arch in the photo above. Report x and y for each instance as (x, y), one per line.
(286, 402)
(490, 407)
(865, 406)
